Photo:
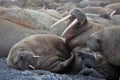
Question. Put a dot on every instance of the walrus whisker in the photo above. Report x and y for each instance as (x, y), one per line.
(31, 67)
(112, 13)
(63, 19)
(73, 23)
(36, 56)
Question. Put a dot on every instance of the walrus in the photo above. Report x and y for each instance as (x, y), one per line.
(42, 51)
(97, 66)
(11, 33)
(108, 19)
(86, 3)
(79, 28)
(97, 10)
(107, 42)
(19, 22)
(114, 6)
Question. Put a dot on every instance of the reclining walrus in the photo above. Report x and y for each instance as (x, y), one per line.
(42, 51)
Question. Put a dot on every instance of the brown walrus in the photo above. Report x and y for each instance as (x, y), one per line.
(76, 34)
(41, 51)
(107, 42)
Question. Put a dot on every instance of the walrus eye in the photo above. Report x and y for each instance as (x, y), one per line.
(94, 43)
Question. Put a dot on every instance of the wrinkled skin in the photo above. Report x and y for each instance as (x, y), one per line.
(42, 51)
(52, 53)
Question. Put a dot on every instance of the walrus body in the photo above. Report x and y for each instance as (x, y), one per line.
(107, 42)
(48, 52)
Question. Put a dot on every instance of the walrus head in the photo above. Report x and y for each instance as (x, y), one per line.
(76, 24)
(94, 42)
(107, 42)
(22, 60)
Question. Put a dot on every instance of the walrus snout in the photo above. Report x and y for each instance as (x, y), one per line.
(76, 21)
(77, 14)
(22, 61)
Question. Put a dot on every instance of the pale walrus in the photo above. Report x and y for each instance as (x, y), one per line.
(114, 6)
(107, 42)
(79, 29)
(41, 51)
(10, 33)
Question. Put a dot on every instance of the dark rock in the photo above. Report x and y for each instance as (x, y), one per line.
(91, 72)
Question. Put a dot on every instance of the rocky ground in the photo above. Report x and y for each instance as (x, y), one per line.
(7, 73)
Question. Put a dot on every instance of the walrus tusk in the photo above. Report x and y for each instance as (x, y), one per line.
(112, 13)
(72, 24)
(63, 19)
(36, 56)
(31, 67)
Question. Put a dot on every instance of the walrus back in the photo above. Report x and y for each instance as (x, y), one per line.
(111, 45)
